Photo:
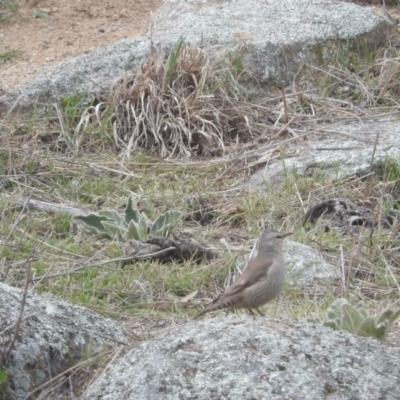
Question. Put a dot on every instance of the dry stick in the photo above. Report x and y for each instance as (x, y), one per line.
(332, 75)
(391, 273)
(97, 378)
(21, 311)
(343, 270)
(274, 144)
(36, 189)
(100, 167)
(370, 98)
(237, 158)
(64, 132)
(101, 264)
(29, 236)
(47, 274)
(297, 191)
(224, 160)
(49, 207)
(295, 135)
(340, 101)
(276, 135)
(378, 214)
(83, 363)
(343, 184)
(356, 254)
(345, 134)
(96, 167)
(388, 82)
(264, 158)
(285, 106)
(33, 251)
(10, 111)
(368, 181)
(19, 219)
(389, 307)
(339, 148)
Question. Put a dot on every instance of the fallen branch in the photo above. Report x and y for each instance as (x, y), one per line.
(102, 264)
(49, 207)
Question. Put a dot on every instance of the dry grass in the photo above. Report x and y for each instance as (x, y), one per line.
(180, 106)
(185, 91)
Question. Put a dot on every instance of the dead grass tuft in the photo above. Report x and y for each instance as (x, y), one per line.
(180, 105)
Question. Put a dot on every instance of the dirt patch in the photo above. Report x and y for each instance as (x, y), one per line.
(72, 28)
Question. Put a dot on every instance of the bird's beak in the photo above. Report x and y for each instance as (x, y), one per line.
(283, 235)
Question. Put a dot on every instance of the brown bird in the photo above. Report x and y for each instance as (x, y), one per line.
(261, 281)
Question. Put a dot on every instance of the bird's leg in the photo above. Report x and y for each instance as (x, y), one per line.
(260, 312)
(251, 312)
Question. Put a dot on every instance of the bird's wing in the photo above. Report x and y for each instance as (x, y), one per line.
(255, 270)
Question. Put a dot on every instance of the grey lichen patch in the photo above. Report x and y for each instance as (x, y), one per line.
(339, 159)
(306, 264)
(243, 357)
(53, 336)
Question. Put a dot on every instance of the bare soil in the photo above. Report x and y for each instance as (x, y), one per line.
(73, 27)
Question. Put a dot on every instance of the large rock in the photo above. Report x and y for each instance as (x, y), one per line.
(245, 358)
(345, 152)
(276, 38)
(53, 336)
(306, 264)
(279, 36)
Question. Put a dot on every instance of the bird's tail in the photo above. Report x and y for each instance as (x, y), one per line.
(209, 308)
(200, 314)
(218, 304)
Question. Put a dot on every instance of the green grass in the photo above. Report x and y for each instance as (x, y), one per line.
(8, 55)
(8, 10)
(116, 290)
(3, 379)
(80, 167)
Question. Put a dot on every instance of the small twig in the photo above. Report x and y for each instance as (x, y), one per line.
(10, 111)
(64, 134)
(235, 160)
(389, 307)
(276, 135)
(297, 191)
(339, 148)
(66, 372)
(351, 84)
(21, 311)
(295, 134)
(101, 264)
(343, 270)
(391, 273)
(39, 279)
(371, 165)
(33, 251)
(129, 174)
(19, 219)
(49, 207)
(105, 369)
(322, 188)
(347, 134)
(285, 106)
